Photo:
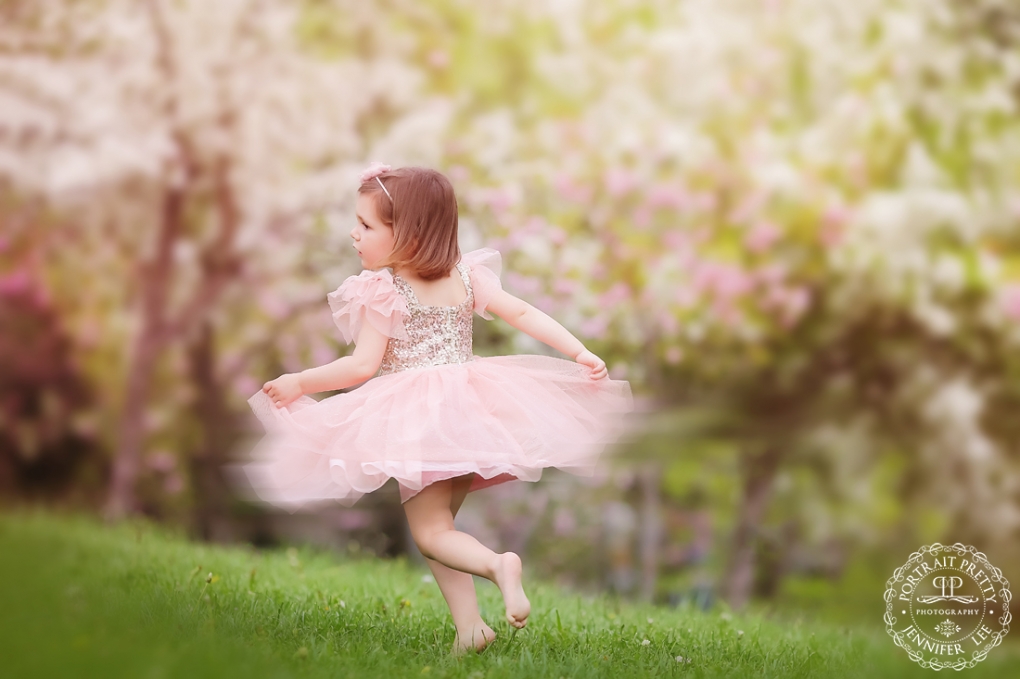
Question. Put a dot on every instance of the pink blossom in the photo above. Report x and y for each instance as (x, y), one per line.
(702, 235)
(792, 303)
(572, 191)
(686, 297)
(676, 240)
(668, 322)
(14, 283)
(770, 274)
(322, 353)
(619, 181)
(545, 303)
(566, 286)
(535, 224)
(514, 239)
(726, 312)
(858, 168)
(42, 298)
(761, 237)
(557, 235)
(353, 519)
(749, 207)
(727, 280)
(271, 304)
(1010, 296)
(754, 87)
(830, 236)
(522, 283)
(666, 195)
(704, 201)
(438, 58)
(90, 333)
(642, 217)
(162, 461)
(152, 419)
(831, 232)
(245, 386)
(674, 355)
(774, 297)
(459, 173)
(799, 300)
(564, 522)
(290, 353)
(732, 282)
(595, 326)
(174, 484)
(618, 371)
(619, 292)
(499, 200)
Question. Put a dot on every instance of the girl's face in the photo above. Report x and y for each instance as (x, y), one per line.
(372, 239)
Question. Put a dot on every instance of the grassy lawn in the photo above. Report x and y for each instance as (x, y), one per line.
(79, 599)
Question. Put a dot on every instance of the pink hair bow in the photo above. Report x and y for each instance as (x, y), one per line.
(374, 170)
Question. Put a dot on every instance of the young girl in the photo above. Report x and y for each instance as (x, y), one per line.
(438, 419)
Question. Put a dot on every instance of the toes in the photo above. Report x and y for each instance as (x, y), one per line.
(519, 624)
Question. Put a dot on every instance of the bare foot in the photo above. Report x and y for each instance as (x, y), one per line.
(478, 637)
(508, 579)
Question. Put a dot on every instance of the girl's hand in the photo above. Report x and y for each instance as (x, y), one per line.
(283, 390)
(597, 365)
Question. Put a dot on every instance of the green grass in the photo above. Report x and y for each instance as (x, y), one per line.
(79, 599)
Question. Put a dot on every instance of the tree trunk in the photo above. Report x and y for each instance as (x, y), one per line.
(219, 264)
(155, 282)
(759, 477)
(650, 530)
(516, 535)
(212, 415)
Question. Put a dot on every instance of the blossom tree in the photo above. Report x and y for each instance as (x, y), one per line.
(186, 147)
(791, 223)
(798, 216)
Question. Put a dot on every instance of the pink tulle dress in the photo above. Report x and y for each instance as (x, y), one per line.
(434, 410)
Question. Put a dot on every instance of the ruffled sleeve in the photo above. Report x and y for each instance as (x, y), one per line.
(485, 265)
(370, 296)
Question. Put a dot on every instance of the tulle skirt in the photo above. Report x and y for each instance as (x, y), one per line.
(500, 418)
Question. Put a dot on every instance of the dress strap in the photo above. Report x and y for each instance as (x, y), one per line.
(405, 289)
(465, 275)
(412, 299)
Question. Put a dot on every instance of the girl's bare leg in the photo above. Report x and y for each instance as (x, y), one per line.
(458, 589)
(431, 523)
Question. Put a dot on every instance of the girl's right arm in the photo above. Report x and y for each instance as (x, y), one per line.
(348, 370)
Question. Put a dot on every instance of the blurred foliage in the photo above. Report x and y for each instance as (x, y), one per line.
(791, 225)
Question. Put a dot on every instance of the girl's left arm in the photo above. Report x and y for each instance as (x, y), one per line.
(544, 328)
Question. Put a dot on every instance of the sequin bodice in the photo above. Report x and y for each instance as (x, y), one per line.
(438, 334)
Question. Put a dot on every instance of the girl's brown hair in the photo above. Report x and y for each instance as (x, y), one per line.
(423, 216)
